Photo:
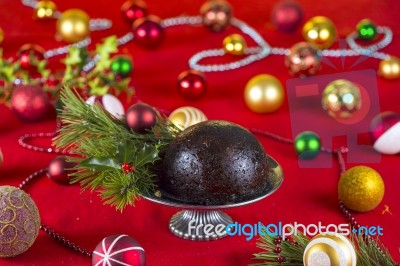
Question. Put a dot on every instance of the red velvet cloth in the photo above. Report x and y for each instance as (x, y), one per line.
(306, 196)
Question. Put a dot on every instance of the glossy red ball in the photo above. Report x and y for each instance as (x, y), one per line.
(29, 55)
(287, 16)
(29, 103)
(148, 31)
(59, 169)
(141, 117)
(133, 10)
(192, 84)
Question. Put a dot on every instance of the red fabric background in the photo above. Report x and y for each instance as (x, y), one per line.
(306, 196)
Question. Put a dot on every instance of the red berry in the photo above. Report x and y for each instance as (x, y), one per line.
(279, 259)
(278, 250)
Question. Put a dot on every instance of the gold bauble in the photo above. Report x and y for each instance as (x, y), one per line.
(361, 188)
(1, 35)
(264, 94)
(320, 31)
(330, 249)
(73, 25)
(45, 9)
(341, 98)
(234, 44)
(187, 116)
(390, 68)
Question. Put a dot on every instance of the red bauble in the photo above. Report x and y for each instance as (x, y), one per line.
(287, 16)
(29, 103)
(192, 84)
(118, 250)
(148, 31)
(28, 54)
(133, 10)
(140, 117)
(58, 170)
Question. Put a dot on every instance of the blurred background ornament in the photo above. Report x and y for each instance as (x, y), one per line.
(20, 221)
(234, 44)
(141, 117)
(303, 60)
(110, 103)
(133, 10)
(367, 30)
(1, 35)
(187, 116)
(59, 170)
(287, 16)
(119, 250)
(361, 188)
(216, 14)
(307, 145)
(29, 55)
(148, 31)
(330, 249)
(389, 68)
(385, 133)
(264, 94)
(192, 84)
(73, 25)
(29, 103)
(45, 9)
(122, 66)
(341, 98)
(320, 31)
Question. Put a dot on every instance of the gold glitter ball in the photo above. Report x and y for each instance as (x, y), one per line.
(361, 188)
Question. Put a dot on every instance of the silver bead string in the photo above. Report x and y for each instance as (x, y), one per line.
(65, 49)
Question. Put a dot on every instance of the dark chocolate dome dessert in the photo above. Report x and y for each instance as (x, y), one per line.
(213, 163)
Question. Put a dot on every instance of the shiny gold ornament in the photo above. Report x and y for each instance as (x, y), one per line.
(330, 249)
(390, 68)
(234, 44)
(187, 116)
(45, 9)
(73, 25)
(361, 188)
(1, 35)
(341, 98)
(264, 94)
(320, 31)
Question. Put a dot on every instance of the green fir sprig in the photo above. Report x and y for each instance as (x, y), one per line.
(104, 143)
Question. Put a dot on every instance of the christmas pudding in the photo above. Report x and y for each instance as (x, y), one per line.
(214, 163)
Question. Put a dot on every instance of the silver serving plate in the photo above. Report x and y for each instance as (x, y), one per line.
(198, 215)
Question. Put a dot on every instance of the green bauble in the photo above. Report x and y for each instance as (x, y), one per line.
(122, 66)
(366, 30)
(307, 145)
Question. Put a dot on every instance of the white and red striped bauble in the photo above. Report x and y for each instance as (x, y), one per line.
(118, 250)
(385, 133)
(110, 103)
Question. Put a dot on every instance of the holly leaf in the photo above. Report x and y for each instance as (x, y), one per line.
(73, 57)
(148, 154)
(101, 164)
(125, 152)
(109, 46)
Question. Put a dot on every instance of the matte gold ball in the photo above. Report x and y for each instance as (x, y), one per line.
(361, 188)
(45, 9)
(320, 31)
(73, 25)
(234, 44)
(390, 68)
(187, 116)
(264, 94)
(341, 98)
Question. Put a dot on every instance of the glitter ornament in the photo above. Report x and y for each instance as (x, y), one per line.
(29, 103)
(264, 94)
(45, 9)
(361, 188)
(329, 249)
(216, 14)
(234, 44)
(122, 66)
(59, 169)
(303, 60)
(187, 116)
(385, 133)
(133, 10)
(287, 16)
(110, 103)
(148, 31)
(320, 31)
(118, 250)
(389, 68)
(192, 84)
(341, 98)
(73, 25)
(141, 117)
(307, 145)
(19, 221)
(366, 30)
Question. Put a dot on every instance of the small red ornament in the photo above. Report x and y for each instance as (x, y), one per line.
(133, 10)
(216, 14)
(127, 168)
(29, 103)
(29, 55)
(192, 84)
(287, 16)
(140, 117)
(118, 250)
(58, 170)
(148, 31)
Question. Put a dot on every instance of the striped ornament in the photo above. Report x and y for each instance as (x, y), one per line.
(187, 116)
